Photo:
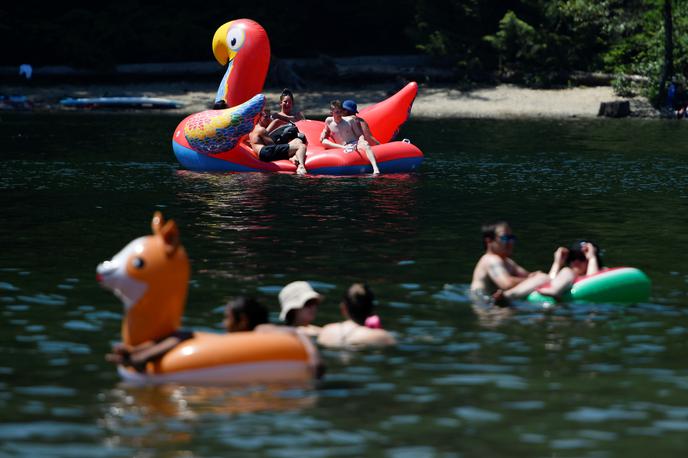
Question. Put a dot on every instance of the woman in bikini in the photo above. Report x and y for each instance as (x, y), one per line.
(361, 327)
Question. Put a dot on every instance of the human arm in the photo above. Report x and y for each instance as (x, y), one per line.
(138, 356)
(558, 262)
(560, 284)
(503, 274)
(591, 255)
(275, 123)
(525, 287)
(367, 134)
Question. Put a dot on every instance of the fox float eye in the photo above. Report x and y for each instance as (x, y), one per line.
(138, 263)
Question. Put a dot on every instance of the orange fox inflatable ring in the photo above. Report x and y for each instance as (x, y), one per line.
(150, 276)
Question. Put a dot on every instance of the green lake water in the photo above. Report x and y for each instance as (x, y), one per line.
(576, 381)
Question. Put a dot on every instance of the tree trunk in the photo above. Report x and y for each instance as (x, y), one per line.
(668, 70)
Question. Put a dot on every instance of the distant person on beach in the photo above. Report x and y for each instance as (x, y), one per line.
(582, 258)
(361, 327)
(282, 129)
(498, 277)
(677, 98)
(347, 132)
(26, 70)
(266, 149)
(244, 314)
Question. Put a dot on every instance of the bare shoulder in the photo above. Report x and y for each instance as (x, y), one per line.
(330, 335)
(273, 328)
(489, 259)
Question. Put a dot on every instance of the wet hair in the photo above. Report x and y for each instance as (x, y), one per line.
(489, 230)
(256, 312)
(576, 252)
(286, 93)
(359, 301)
(336, 104)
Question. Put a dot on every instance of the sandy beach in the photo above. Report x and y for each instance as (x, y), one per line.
(502, 101)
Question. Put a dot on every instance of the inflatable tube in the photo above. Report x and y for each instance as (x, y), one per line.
(235, 358)
(216, 140)
(617, 285)
(150, 275)
(384, 120)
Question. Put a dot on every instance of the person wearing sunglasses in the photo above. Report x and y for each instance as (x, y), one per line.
(496, 277)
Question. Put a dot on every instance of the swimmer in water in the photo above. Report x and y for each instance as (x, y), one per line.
(361, 327)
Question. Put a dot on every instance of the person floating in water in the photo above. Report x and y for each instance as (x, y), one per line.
(299, 306)
(244, 314)
(496, 275)
(582, 258)
(361, 327)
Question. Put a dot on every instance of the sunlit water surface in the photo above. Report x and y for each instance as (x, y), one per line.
(581, 381)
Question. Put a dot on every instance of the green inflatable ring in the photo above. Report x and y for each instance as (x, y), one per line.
(619, 284)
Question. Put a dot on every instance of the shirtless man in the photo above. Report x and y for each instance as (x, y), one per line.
(266, 149)
(496, 274)
(348, 133)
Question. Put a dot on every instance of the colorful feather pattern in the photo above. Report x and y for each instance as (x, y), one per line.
(215, 131)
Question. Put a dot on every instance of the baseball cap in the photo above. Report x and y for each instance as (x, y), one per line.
(350, 105)
(294, 296)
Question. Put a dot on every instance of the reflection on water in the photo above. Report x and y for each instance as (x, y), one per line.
(192, 402)
(578, 380)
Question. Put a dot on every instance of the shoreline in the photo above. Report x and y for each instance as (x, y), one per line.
(502, 101)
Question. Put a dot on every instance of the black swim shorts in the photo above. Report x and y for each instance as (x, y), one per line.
(270, 153)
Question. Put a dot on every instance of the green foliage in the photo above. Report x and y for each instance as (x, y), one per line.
(516, 42)
(534, 41)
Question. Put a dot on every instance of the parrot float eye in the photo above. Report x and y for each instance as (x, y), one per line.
(235, 38)
(138, 263)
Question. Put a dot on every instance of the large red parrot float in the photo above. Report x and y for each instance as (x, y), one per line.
(216, 140)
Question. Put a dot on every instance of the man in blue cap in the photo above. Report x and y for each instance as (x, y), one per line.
(350, 132)
(365, 137)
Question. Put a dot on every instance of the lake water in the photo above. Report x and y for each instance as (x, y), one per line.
(575, 381)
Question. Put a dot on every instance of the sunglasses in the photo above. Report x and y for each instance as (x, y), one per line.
(507, 238)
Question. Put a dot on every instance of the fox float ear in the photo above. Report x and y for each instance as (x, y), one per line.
(170, 235)
(168, 231)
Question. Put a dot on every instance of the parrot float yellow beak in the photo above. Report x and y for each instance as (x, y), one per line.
(222, 51)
